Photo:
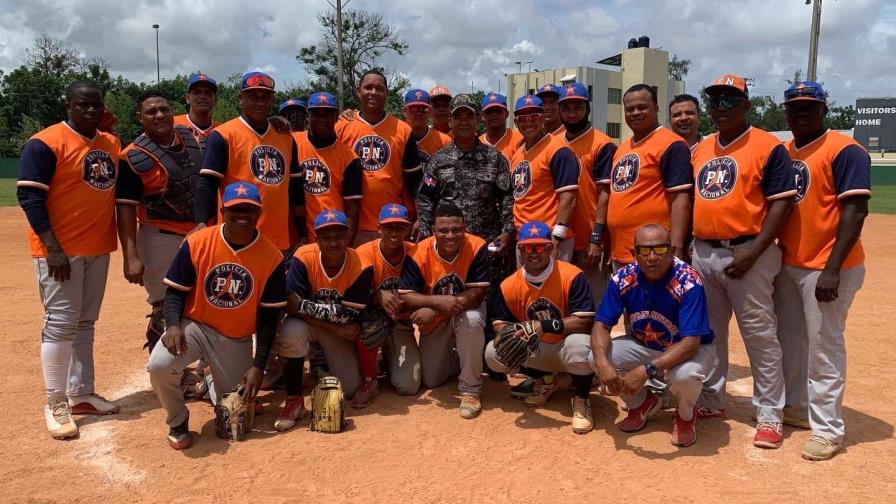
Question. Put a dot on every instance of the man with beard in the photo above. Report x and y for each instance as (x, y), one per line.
(684, 119)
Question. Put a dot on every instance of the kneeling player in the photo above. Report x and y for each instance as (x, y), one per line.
(556, 294)
(226, 282)
(327, 288)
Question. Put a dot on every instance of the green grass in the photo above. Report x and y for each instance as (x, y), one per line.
(8, 192)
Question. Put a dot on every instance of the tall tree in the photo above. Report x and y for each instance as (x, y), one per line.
(678, 68)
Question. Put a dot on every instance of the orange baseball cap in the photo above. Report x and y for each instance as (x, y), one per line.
(439, 90)
(728, 81)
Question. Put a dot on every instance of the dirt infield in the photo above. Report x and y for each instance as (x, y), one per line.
(417, 449)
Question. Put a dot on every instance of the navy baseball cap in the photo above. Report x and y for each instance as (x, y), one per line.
(393, 212)
(528, 102)
(330, 218)
(200, 78)
(574, 91)
(292, 102)
(322, 99)
(806, 91)
(256, 80)
(548, 88)
(416, 97)
(239, 193)
(533, 233)
(494, 100)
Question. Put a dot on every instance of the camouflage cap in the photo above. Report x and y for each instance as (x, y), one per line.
(464, 101)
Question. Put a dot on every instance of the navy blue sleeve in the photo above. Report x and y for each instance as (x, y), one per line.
(360, 291)
(295, 169)
(297, 279)
(693, 315)
(182, 273)
(479, 272)
(611, 306)
(778, 178)
(216, 154)
(603, 162)
(296, 179)
(411, 159)
(206, 206)
(129, 186)
(500, 310)
(852, 172)
(274, 293)
(37, 165)
(352, 180)
(411, 278)
(675, 167)
(564, 167)
(580, 301)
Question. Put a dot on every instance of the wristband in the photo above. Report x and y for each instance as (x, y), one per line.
(552, 326)
(560, 231)
(597, 233)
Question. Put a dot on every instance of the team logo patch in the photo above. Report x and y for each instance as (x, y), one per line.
(717, 178)
(228, 286)
(317, 176)
(99, 170)
(373, 152)
(326, 296)
(521, 177)
(625, 172)
(801, 174)
(390, 283)
(448, 285)
(267, 165)
(543, 309)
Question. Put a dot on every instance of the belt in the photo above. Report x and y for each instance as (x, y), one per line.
(166, 232)
(740, 240)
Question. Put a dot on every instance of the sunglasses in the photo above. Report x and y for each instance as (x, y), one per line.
(528, 118)
(725, 101)
(418, 109)
(645, 250)
(811, 91)
(534, 248)
(260, 80)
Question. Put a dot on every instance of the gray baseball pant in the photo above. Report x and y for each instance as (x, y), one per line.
(157, 250)
(750, 298)
(569, 355)
(402, 356)
(814, 346)
(342, 358)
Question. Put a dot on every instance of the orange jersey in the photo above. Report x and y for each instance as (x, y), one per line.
(307, 277)
(387, 151)
(538, 175)
(78, 175)
(559, 132)
(264, 160)
(735, 182)
(640, 180)
(595, 152)
(200, 134)
(565, 293)
(828, 169)
(325, 172)
(385, 274)
(226, 287)
(431, 143)
(507, 144)
(426, 272)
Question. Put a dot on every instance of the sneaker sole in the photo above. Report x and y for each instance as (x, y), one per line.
(582, 431)
(817, 458)
(284, 428)
(656, 407)
(67, 435)
(93, 411)
(767, 445)
(470, 416)
(180, 445)
(682, 445)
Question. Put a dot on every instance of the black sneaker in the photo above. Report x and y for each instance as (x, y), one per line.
(179, 436)
(524, 389)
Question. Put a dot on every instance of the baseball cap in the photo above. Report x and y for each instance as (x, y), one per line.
(439, 90)
(527, 102)
(256, 80)
(416, 97)
(805, 91)
(199, 77)
(534, 232)
(239, 193)
(728, 81)
(393, 212)
(330, 218)
(494, 100)
(322, 99)
(574, 91)
(548, 88)
(292, 102)
(464, 101)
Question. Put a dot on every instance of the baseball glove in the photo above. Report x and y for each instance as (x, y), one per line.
(327, 406)
(513, 351)
(233, 415)
(155, 328)
(375, 327)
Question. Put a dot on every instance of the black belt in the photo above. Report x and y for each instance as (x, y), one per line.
(740, 240)
(166, 232)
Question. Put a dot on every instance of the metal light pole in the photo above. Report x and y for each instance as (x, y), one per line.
(813, 39)
(158, 71)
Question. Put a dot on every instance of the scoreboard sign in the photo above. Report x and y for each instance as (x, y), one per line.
(876, 124)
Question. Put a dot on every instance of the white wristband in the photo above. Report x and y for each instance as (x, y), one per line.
(560, 231)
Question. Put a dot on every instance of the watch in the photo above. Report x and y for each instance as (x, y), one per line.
(651, 370)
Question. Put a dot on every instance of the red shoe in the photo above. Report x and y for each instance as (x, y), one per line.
(637, 417)
(293, 411)
(365, 393)
(769, 435)
(92, 404)
(707, 413)
(684, 432)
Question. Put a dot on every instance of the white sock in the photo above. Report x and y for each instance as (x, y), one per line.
(55, 358)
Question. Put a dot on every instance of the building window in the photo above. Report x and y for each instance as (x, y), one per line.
(590, 91)
(613, 130)
(614, 96)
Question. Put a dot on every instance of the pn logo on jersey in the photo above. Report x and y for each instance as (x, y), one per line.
(543, 309)
(625, 172)
(317, 176)
(801, 174)
(228, 286)
(521, 177)
(99, 170)
(717, 178)
(448, 285)
(373, 152)
(267, 165)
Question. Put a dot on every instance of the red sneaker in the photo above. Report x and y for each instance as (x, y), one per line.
(684, 432)
(706, 413)
(293, 411)
(769, 435)
(365, 393)
(637, 417)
